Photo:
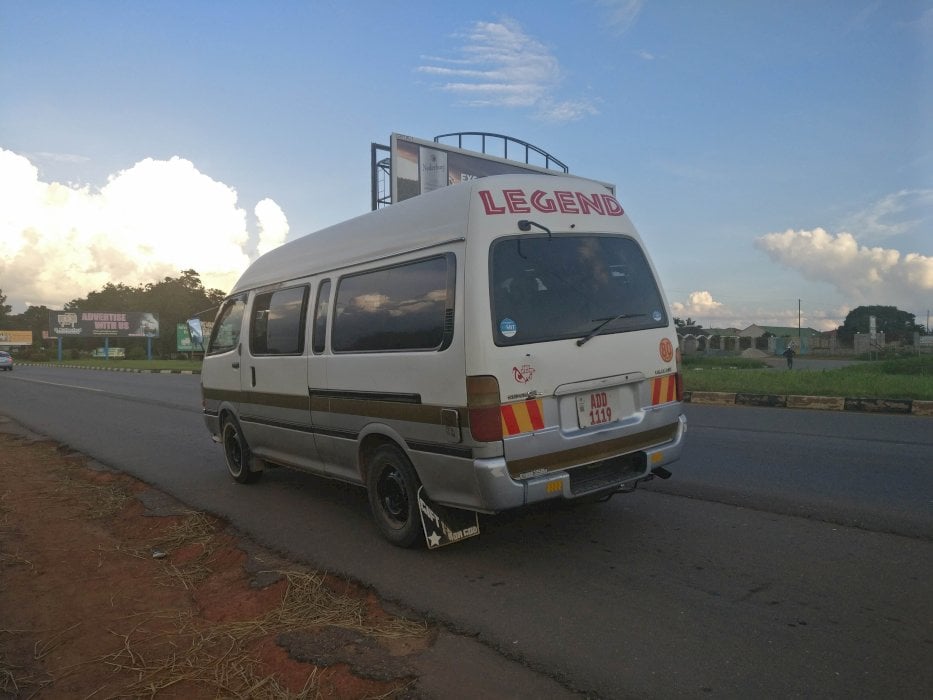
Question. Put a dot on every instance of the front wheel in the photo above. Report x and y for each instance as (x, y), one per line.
(236, 453)
(392, 485)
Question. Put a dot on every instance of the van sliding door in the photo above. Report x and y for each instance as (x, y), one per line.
(276, 405)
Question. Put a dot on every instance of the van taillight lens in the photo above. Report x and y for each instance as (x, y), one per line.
(483, 408)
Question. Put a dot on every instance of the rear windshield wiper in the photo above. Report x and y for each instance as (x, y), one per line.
(605, 322)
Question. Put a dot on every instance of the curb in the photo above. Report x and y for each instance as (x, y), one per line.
(913, 407)
(113, 369)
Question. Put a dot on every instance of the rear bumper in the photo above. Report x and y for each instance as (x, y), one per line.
(500, 491)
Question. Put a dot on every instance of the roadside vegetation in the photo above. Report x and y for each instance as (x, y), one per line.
(905, 378)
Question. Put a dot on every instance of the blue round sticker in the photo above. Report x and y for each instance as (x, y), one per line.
(657, 315)
(508, 327)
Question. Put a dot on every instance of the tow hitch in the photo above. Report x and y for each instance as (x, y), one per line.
(661, 473)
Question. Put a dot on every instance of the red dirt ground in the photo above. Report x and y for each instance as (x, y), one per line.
(102, 597)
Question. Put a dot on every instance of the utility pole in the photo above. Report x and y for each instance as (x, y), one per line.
(799, 337)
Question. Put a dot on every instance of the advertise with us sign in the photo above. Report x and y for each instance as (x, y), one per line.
(103, 324)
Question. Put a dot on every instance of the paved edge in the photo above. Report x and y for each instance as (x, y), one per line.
(914, 407)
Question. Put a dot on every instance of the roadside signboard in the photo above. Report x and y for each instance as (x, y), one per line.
(103, 324)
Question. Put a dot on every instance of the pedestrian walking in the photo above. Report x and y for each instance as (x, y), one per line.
(789, 355)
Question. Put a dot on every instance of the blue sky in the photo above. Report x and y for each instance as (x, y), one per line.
(768, 152)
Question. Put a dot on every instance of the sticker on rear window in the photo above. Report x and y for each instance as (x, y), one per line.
(508, 327)
(657, 316)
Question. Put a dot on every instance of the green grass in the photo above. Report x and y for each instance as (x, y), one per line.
(152, 366)
(910, 378)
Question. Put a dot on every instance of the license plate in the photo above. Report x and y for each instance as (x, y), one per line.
(597, 408)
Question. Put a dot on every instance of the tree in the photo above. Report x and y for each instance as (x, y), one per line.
(4, 311)
(173, 299)
(894, 323)
(687, 327)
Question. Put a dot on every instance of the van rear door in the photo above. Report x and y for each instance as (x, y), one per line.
(582, 337)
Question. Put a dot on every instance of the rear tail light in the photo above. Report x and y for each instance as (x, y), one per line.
(483, 408)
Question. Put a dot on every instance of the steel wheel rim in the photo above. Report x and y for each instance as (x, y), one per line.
(393, 496)
(233, 449)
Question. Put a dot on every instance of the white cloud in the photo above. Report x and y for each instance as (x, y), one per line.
(621, 13)
(699, 305)
(862, 274)
(501, 66)
(892, 215)
(273, 226)
(59, 242)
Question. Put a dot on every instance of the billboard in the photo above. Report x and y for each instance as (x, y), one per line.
(103, 324)
(420, 166)
(15, 338)
(189, 337)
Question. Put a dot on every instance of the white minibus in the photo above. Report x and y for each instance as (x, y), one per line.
(481, 347)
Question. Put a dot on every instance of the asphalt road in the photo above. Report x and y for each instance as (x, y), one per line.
(790, 555)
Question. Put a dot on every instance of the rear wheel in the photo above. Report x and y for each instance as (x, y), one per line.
(393, 485)
(236, 453)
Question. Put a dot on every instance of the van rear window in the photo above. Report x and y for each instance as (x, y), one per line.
(555, 287)
(403, 307)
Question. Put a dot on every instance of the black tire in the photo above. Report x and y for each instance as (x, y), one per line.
(392, 485)
(236, 452)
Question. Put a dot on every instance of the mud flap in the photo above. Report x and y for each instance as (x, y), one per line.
(443, 525)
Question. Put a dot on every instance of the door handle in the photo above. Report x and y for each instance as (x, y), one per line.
(236, 365)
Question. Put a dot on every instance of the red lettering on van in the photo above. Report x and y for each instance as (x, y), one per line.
(488, 203)
(539, 202)
(588, 204)
(566, 202)
(613, 208)
(518, 201)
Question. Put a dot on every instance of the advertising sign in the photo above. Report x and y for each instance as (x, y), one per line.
(190, 336)
(15, 337)
(420, 166)
(102, 324)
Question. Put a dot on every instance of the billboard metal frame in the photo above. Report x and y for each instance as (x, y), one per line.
(400, 170)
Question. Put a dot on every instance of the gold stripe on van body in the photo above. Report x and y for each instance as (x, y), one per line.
(406, 410)
(594, 453)
(258, 398)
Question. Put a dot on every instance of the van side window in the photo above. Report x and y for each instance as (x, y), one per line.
(278, 322)
(225, 335)
(403, 307)
(319, 330)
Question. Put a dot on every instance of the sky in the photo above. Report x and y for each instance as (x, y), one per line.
(775, 155)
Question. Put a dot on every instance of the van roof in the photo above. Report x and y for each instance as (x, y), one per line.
(418, 222)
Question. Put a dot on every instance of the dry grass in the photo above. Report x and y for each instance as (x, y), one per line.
(100, 500)
(220, 659)
(176, 652)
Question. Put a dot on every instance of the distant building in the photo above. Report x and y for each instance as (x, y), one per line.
(771, 339)
(756, 331)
